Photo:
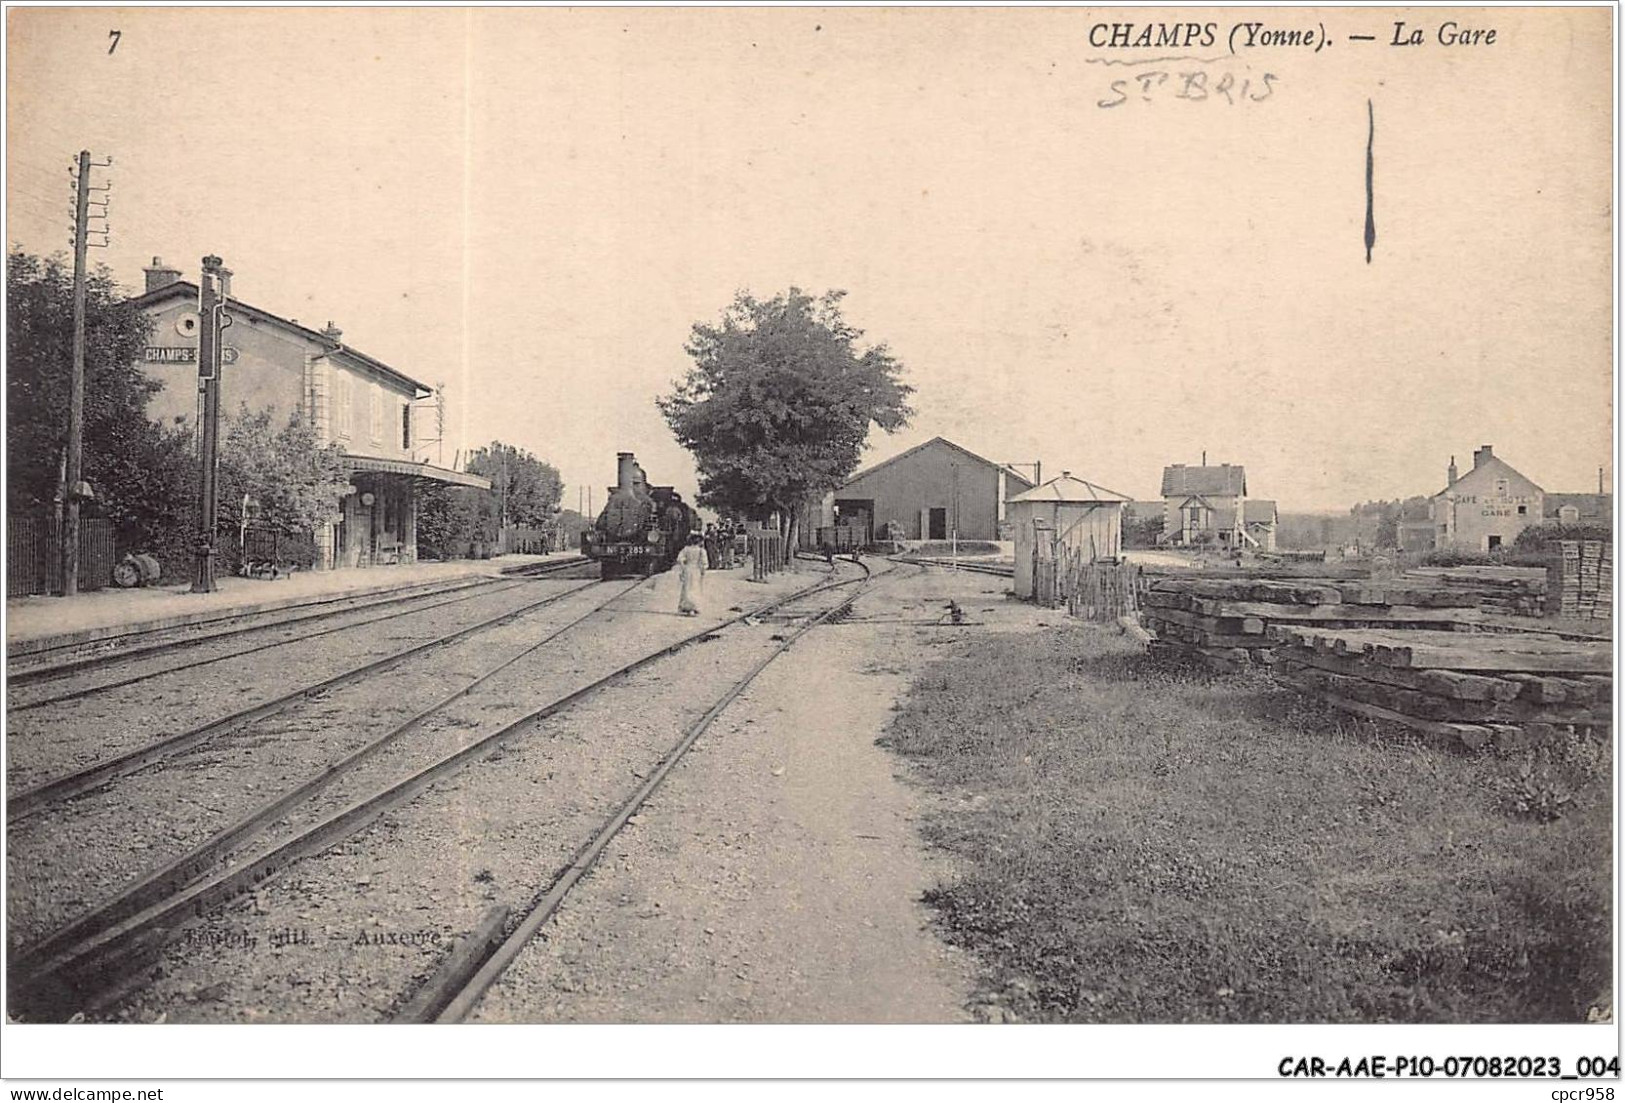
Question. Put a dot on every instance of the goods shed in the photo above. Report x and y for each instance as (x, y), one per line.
(933, 491)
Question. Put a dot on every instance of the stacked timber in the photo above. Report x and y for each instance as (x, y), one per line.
(1515, 591)
(1473, 687)
(1225, 622)
(1582, 579)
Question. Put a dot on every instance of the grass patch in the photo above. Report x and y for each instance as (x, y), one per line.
(1146, 845)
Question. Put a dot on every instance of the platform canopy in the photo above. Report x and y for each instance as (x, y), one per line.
(426, 471)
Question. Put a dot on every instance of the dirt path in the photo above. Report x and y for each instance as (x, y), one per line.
(776, 877)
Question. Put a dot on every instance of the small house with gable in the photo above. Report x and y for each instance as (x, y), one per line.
(1207, 505)
(1260, 519)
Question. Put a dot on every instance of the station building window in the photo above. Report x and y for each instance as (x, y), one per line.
(376, 410)
(345, 400)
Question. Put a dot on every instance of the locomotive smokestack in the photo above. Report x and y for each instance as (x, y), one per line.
(626, 469)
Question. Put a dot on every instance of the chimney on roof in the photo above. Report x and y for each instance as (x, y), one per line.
(1484, 453)
(1450, 475)
(1066, 474)
(1204, 457)
(332, 332)
(160, 275)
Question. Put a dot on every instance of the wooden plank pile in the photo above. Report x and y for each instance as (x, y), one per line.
(1516, 591)
(1582, 579)
(1510, 689)
(1225, 622)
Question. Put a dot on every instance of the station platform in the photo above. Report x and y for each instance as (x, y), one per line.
(40, 623)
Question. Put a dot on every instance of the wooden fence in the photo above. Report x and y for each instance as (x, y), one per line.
(1098, 590)
(265, 546)
(767, 554)
(526, 540)
(34, 555)
(841, 537)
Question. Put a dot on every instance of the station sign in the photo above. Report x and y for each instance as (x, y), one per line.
(162, 354)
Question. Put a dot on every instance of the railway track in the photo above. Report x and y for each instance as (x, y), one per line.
(454, 991)
(166, 641)
(962, 565)
(194, 863)
(73, 964)
(32, 798)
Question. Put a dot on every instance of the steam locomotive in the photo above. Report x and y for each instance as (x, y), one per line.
(641, 528)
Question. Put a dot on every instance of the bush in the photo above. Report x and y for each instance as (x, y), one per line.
(1514, 556)
(1545, 537)
(1450, 557)
(1533, 547)
(453, 518)
(1142, 531)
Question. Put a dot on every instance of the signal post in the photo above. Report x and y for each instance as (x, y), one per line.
(212, 288)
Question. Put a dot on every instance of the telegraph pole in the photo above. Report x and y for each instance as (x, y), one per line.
(208, 370)
(76, 392)
(73, 489)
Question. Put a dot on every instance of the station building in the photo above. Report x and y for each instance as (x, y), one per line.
(355, 401)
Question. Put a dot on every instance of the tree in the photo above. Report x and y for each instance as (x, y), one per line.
(141, 473)
(779, 401)
(1375, 524)
(451, 518)
(293, 481)
(1142, 526)
(571, 525)
(527, 490)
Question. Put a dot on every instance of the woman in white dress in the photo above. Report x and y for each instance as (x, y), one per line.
(690, 573)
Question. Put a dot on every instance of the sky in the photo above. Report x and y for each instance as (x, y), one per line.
(533, 207)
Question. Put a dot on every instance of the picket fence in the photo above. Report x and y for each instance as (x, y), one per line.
(34, 555)
(1097, 590)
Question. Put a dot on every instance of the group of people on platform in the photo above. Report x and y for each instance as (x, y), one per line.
(715, 549)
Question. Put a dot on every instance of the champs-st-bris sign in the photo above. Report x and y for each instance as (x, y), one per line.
(165, 354)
